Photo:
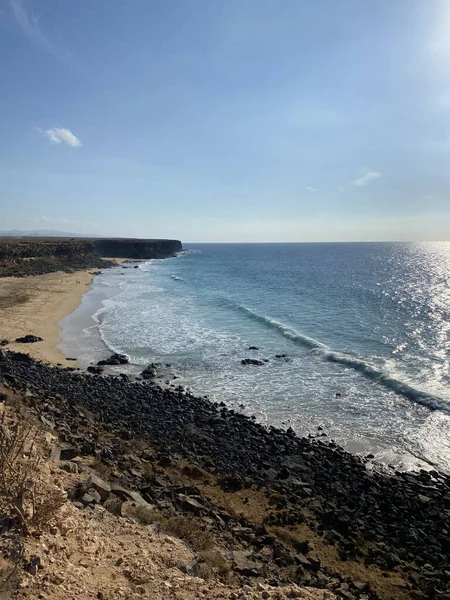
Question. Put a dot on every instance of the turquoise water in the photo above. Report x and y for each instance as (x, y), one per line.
(364, 327)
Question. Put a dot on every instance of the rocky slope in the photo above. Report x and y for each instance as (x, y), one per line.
(35, 256)
(279, 508)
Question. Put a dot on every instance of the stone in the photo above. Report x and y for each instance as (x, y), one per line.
(33, 565)
(114, 359)
(114, 506)
(67, 453)
(91, 497)
(251, 361)
(190, 504)
(29, 339)
(69, 466)
(101, 486)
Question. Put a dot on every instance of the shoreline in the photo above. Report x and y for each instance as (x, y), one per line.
(284, 508)
(35, 305)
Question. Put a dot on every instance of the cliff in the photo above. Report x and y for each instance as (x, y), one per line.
(34, 256)
(135, 248)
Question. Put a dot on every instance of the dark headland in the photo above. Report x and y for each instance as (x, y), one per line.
(36, 256)
(260, 512)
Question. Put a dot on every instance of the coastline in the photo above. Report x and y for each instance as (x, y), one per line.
(34, 305)
(274, 507)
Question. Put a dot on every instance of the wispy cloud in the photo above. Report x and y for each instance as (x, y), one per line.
(30, 27)
(366, 178)
(311, 189)
(59, 135)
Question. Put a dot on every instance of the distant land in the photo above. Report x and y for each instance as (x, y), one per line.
(46, 233)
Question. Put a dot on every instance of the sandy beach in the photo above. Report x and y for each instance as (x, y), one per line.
(34, 305)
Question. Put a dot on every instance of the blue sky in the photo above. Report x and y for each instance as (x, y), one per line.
(235, 120)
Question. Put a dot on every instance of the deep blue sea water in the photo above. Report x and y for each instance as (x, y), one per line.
(365, 328)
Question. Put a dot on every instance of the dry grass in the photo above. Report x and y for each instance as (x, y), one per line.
(23, 496)
(190, 530)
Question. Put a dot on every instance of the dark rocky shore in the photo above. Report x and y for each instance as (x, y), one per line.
(21, 257)
(309, 512)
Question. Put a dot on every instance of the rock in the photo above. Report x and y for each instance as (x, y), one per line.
(4, 342)
(95, 370)
(67, 453)
(2, 354)
(69, 466)
(190, 504)
(114, 359)
(280, 355)
(231, 484)
(251, 361)
(424, 499)
(33, 565)
(101, 486)
(253, 348)
(20, 357)
(90, 497)
(114, 506)
(361, 586)
(149, 372)
(29, 339)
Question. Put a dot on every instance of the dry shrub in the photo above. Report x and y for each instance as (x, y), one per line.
(215, 563)
(190, 530)
(140, 513)
(22, 494)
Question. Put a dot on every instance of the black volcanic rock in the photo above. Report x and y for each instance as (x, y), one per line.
(393, 520)
(115, 359)
(29, 339)
(251, 361)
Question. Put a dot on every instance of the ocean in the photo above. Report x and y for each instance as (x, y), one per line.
(361, 331)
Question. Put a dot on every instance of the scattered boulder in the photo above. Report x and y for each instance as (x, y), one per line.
(149, 372)
(68, 453)
(4, 342)
(100, 486)
(95, 370)
(253, 348)
(251, 361)
(114, 359)
(29, 339)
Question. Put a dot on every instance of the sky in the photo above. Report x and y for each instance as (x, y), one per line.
(227, 121)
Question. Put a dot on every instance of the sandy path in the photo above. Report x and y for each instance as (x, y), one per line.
(34, 305)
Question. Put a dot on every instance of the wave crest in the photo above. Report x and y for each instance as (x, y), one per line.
(349, 361)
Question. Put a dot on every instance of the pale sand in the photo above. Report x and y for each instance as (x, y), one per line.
(34, 305)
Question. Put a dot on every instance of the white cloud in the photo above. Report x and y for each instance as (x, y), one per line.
(59, 135)
(366, 178)
(311, 189)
